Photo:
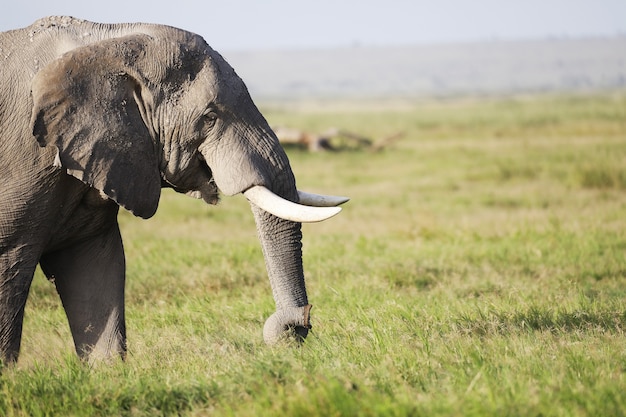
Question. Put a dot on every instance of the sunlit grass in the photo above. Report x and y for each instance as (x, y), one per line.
(479, 269)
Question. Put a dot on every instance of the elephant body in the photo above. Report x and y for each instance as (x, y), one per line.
(93, 117)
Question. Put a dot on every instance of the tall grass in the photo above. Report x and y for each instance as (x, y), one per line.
(480, 269)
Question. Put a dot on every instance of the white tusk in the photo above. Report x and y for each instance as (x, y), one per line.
(287, 210)
(318, 200)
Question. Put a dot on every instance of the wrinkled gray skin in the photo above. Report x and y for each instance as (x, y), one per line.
(93, 117)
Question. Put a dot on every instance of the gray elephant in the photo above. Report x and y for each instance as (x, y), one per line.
(95, 116)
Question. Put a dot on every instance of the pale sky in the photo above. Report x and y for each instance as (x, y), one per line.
(271, 24)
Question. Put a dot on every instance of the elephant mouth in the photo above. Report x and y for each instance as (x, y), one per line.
(199, 183)
(309, 209)
(208, 192)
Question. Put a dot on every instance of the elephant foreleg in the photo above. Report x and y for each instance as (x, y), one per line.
(89, 278)
(16, 275)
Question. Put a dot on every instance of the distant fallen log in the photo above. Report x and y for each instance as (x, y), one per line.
(306, 140)
(332, 140)
(382, 143)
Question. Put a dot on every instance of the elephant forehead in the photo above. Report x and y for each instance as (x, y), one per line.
(223, 85)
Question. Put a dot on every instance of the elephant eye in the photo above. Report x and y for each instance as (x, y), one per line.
(209, 119)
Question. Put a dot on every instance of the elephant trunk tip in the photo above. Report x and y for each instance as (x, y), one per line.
(290, 323)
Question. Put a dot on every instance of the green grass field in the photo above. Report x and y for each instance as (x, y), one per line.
(479, 269)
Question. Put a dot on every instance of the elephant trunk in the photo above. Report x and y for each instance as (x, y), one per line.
(291, 323)
(281, 241)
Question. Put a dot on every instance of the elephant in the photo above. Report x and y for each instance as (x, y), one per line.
(97, 116)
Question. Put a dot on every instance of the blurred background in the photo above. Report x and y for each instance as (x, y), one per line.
(353, 49)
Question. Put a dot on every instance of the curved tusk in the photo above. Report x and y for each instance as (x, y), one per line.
(318, 200)
(287, 210)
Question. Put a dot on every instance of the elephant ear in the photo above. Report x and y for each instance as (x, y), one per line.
(88, 103)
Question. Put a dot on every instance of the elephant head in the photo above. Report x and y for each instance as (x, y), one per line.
(130, 114)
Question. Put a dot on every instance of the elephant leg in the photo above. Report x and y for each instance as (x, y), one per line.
(15, 278)
(89, 278)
